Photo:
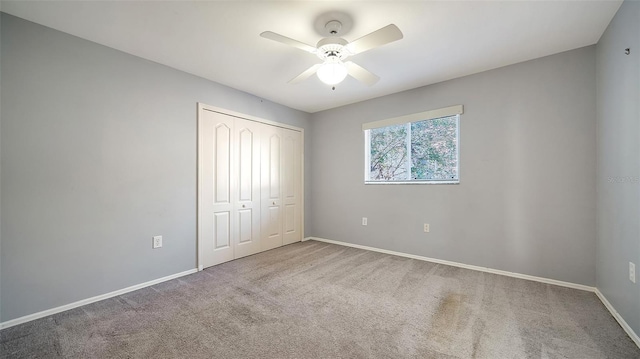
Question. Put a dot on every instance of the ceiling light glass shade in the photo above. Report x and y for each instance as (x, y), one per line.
(332, 73)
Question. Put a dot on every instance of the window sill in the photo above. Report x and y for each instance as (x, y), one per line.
(412, 182)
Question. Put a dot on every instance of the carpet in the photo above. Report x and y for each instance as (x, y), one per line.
(320, 300)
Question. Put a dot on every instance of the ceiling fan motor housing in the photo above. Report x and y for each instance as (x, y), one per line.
(332, 49)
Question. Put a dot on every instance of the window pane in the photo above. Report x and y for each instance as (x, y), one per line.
(434, 149)
(388, 154)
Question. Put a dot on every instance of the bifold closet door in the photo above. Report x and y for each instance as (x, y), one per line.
(291, 186)
(215, 197)
(249, 187)
(271, 193)
(230, 188)
(281, 187)
(246, 204)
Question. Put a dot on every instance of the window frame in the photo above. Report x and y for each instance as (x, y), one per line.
(417, 117)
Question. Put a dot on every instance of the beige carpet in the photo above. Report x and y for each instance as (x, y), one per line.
(318, 300)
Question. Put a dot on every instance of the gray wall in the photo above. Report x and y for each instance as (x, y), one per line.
(98, 155)
(618, 119)
(526, 199)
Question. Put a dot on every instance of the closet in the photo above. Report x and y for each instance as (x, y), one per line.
(250, 185)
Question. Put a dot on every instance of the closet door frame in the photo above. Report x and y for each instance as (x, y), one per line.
(204, 107)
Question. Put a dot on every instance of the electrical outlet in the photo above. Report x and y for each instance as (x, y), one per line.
(157, 242)
(364, 221)
(426, 227)
(632, 272)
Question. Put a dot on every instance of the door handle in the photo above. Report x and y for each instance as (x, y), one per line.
(243, 206)
(274, 203)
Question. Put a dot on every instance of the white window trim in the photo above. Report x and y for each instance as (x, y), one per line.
(422, 116)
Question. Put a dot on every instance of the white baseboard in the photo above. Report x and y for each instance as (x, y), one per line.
(462, 265)
(44, 313)
(619, 318)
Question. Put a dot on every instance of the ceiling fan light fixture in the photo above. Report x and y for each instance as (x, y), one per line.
(332, 73)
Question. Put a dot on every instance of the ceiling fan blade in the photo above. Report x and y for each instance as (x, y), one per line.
(306, 74)
(385, 35)
(288, 41)
(361, 74)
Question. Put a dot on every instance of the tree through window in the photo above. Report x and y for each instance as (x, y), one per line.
(419, 151)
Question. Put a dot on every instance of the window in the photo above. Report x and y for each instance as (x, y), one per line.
(418, 148)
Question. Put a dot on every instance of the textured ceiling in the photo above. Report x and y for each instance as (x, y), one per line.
(219, 40)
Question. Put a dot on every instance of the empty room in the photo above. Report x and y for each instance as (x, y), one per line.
(320, 179)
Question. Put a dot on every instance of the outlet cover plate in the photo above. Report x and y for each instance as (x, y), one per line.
(157, 242)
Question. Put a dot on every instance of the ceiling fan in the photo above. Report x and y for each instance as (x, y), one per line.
(333, 50)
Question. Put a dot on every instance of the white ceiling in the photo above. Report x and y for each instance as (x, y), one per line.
(219, 40)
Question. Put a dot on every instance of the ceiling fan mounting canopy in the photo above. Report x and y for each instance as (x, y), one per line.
(333, 23)
(333, 27)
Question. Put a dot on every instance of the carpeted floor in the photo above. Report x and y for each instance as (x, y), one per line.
(318, 300)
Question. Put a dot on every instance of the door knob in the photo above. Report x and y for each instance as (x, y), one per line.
(274, 203)
(243, 206)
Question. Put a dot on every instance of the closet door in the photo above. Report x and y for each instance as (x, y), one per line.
(215, 194)
(271, 195)
(291, 186)
(249, 187)
(246, 206)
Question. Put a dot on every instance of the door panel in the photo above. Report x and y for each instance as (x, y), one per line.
(274, 166)
(247, 205)
(245, 225)
(214, 198)
(222, 149)
(222, 230)
(274, 221)
(292, 192)
(289, 218)
(288, 155)
(271, 201)
(246, 158)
